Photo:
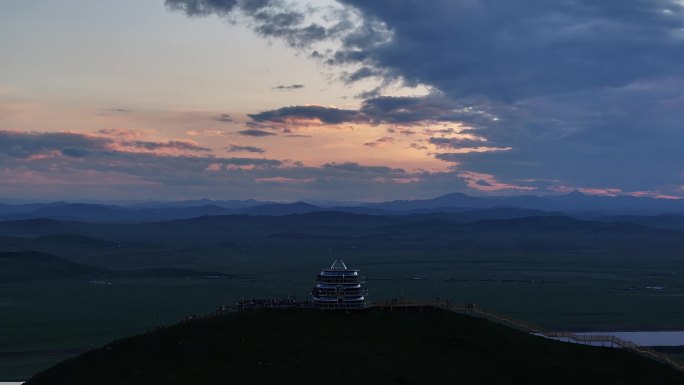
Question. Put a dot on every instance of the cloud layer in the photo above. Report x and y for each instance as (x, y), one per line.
(76, 166)
(521, 96)
(585, 92)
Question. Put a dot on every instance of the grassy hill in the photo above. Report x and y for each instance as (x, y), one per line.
(33, 265)
(36, 266)
(370, 347)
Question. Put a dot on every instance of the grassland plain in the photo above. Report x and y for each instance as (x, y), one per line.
(374, 346)
(564, 280)
(53, 319)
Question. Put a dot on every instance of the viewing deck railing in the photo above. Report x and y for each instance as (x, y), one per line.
(351, 279)
(582, 339)
(472, 309)
(344, 293)
(469, 309)
(344, 305)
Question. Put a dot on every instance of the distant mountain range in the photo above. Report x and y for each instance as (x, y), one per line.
(487, 226)
(574, 204)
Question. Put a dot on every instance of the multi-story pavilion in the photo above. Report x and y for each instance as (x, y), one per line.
(339, 288)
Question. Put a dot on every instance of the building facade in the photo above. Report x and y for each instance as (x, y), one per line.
(339, 288)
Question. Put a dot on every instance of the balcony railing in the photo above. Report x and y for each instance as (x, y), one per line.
(338, 293)
(349, 279)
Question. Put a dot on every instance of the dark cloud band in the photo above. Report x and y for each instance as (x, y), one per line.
(236, 148)
(390, 110)
(255, 133)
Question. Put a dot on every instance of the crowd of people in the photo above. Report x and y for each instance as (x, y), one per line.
(272, 303)
(294, 303)
(255, 303)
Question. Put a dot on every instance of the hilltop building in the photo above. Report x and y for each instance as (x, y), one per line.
(339, 288)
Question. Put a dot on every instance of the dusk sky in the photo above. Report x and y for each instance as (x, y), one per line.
(344, 100)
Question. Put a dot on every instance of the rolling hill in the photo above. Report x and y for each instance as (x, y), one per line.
(31, 265)
(36, 266)
(366, 347)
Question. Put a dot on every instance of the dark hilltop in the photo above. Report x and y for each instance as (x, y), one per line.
(422, 346)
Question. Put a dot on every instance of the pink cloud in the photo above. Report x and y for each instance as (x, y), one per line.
(380, 141)
(123, 133)
(402, 131)
(280, 179)
(612, 191)
(397, 180)
(652, 194)
(51, 154)
(214, 167)
(22, 177)
(206, 132)
(487, 182)
(602, 191)
(172, 146)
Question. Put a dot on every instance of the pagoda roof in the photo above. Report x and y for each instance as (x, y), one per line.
(338, 265)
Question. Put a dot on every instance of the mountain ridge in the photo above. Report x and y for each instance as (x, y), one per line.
(574, 203)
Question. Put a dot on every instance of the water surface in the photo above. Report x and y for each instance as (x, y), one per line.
(646, 338)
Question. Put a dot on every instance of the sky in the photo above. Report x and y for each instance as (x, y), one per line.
(340, 99)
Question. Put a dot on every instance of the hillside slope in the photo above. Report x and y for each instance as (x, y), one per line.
(370, 347)
(25, 265)
(37, 266)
